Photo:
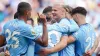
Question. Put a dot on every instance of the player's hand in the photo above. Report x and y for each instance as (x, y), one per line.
(42, 17)
(7, 53)
(88, 53)
(44, 51)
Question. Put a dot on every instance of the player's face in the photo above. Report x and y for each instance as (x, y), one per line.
(29, 14)
(56, 12)
(49, 14)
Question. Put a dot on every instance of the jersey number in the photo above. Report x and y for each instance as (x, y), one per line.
(11, 37)
(90, 41)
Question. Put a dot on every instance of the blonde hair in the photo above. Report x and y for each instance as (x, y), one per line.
(68, 8)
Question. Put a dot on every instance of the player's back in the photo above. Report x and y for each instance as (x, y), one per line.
(16, 36)
(86, 40)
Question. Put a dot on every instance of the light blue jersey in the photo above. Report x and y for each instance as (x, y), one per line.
(72, 27)
(64, 26)
(85, 38)
(53, 39)
(18, 35)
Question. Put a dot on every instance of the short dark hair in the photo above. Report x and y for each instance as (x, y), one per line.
(22, 6)
(80, 10)
(47, 9)
(15, 15)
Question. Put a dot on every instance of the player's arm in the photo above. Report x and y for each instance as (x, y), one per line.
(2, 41)
(65, 40)
(95, 44)
(70, 39)
(29, 32)
(43, 40)
(98, 50)
(73, 26)
(64, 26)
(61, 45)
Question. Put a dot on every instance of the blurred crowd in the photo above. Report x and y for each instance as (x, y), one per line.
(9, 7)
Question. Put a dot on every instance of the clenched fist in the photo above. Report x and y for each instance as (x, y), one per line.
(42, 17)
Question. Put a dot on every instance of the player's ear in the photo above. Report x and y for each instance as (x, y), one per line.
(25, 12)
(77, 15)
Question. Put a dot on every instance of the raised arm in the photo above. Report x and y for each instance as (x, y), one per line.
(43, 40)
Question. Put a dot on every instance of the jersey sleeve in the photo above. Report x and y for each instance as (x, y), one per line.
(30, 33)
(62, 26)
(73, 26)
(77, 35)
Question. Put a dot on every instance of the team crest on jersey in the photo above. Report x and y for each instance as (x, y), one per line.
(64, 25)
(33, 32)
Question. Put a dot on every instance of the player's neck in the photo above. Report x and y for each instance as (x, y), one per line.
(23, 18)
(81, 22)
(58, 20)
